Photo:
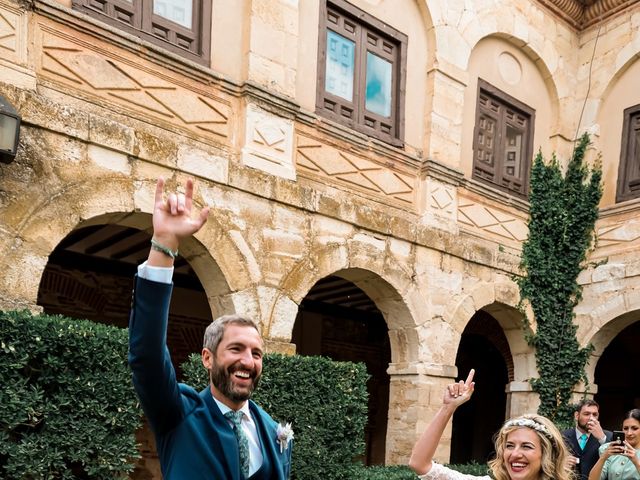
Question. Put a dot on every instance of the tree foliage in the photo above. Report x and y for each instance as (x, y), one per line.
(563, 212)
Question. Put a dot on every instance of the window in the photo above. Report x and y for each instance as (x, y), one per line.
(503, 138)
(182, 26)
(629, 170)
(361, 70)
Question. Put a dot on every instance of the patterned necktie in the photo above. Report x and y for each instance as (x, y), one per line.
(243, 442)
(583, 440)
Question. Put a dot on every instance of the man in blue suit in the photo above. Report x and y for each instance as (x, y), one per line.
(218, 433)
(585, 439)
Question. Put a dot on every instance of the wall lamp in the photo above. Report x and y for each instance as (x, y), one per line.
(9, 131)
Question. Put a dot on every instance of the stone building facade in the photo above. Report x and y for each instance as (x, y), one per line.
(377, 146)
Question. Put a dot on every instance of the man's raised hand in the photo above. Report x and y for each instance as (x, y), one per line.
(173, 218)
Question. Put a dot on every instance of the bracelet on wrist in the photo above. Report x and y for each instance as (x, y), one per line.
(173, 254)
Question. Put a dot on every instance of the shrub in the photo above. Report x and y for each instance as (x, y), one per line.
(67, 405)
(325, 401)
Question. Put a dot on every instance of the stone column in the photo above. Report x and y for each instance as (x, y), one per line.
(415, 396)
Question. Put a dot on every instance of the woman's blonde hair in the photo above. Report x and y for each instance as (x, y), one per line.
(554, 464)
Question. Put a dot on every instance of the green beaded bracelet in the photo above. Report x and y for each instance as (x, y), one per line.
(161, 248)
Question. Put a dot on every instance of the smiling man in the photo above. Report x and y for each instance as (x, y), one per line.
(218, 433)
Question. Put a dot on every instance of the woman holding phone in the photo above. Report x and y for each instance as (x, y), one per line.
(528, 447)
(621, 460)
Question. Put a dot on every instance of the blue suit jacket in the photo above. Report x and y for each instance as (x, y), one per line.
(193, 438)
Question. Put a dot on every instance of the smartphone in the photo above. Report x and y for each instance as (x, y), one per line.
(618, 436)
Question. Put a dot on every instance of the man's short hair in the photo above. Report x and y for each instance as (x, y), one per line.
(586, 402)
(215, 331)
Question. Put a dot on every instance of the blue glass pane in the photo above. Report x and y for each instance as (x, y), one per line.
(340, 66)
(378, 85)
(178, 11)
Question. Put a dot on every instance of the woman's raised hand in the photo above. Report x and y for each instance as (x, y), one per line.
(457, 393)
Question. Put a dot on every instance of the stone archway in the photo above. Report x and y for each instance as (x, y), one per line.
(483, 347)
(338, 320)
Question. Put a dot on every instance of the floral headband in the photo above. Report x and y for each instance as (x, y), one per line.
(530, 423)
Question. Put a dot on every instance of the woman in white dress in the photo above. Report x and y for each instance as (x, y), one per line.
(529, 447)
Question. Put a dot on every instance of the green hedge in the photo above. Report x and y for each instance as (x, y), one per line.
(325, 401)
(67, 406)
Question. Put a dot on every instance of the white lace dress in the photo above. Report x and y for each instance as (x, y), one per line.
(440, 472)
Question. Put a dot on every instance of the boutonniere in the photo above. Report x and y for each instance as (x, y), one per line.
(284, 435)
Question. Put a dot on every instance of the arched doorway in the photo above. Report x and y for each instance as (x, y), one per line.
(90, 274)
(338, 320)
(484, 347)
(617, 377)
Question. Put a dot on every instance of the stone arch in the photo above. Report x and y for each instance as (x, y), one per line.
(500, 300)
(607, 321)
(119, 200)
(390, 288)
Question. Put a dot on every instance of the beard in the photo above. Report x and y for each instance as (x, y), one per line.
(221, 378)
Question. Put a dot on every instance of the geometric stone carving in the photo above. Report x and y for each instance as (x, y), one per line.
(268, 143)
(13, 34)
(323, 160)
(441, 199)
(622, 232)
(130, 82)
(491, 220)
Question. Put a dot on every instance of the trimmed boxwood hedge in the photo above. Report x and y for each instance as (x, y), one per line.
(67, 405)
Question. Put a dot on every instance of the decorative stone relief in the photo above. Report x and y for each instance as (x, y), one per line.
(268, 143)
(623, 232)
(491, 220)
(317, 158)
(130, 83)
(441, 199)
(13, 42)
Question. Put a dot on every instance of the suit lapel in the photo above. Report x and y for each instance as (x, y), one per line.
(226, 435)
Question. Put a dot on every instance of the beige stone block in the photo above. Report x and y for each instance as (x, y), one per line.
(247, 254)
(109, 159)
(607, 272)
(157, 149)
(246, 304)
(203, 164)
(283, 318)
(286, 244)
(267, 40)
(584, 277)
(269, 143)
(111, 134)
(330, 227)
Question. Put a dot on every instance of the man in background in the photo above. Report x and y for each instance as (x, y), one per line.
(585, 438)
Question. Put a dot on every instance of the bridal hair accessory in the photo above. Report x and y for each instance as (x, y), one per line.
(284, 435)
(530, 423)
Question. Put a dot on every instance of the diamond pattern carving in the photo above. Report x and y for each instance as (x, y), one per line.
(623, 232)
(142, 88)
(13, 34)
(491, 220)
(351, 170)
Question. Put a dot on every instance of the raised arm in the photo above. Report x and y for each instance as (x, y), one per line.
(153, 374)
(454, 395)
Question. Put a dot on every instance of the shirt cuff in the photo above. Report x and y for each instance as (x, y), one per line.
(155, 274)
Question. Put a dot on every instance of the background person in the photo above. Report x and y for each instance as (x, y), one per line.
(217, 433)
(585, 439)
(621, 462)
(529, 447)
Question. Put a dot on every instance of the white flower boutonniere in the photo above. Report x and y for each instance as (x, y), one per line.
(285, 435)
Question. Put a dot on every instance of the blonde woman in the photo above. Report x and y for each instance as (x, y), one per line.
(529, 447)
